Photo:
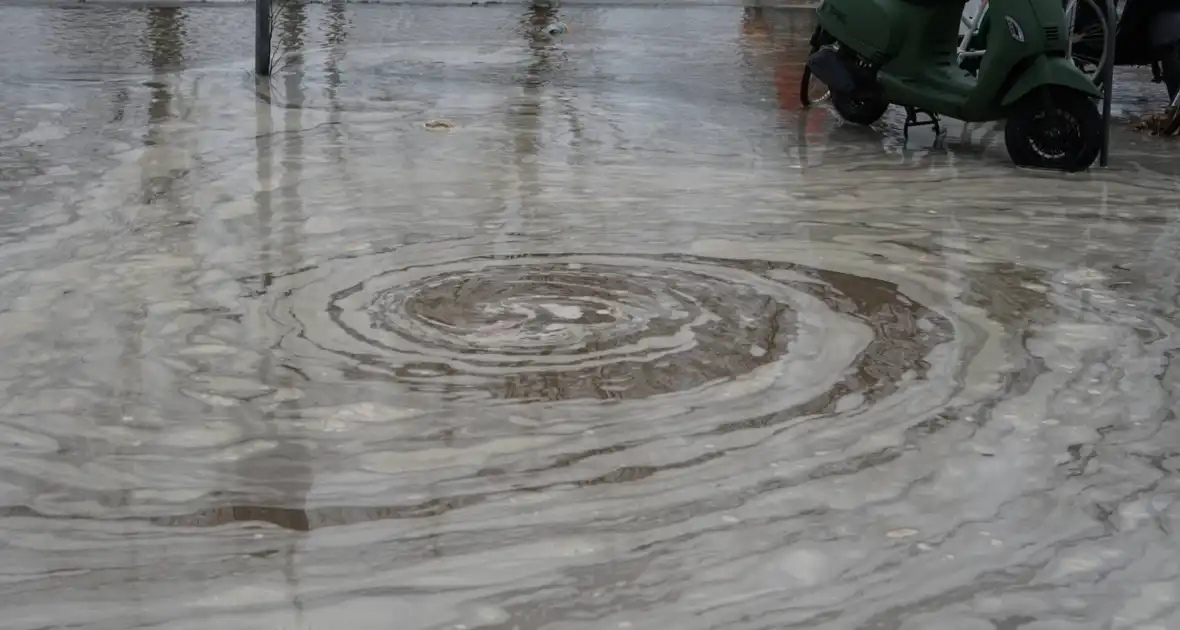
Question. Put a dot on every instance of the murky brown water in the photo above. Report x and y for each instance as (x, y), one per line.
(636, 344)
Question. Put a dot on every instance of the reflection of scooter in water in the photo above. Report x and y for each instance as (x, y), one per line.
(786, 31)
(788, 53)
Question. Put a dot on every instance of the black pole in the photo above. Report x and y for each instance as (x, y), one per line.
(1112, 19)
(262, 32)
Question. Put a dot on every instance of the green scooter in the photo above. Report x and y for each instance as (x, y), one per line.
(872, 53)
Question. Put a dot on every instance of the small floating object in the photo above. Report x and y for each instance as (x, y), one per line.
(438, 124)
(553, 29)
(1153, 123)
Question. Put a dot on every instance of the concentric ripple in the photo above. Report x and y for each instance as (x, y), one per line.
(596, 326)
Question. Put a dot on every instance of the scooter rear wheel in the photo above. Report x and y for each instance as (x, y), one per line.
(1061, 130)
(1088, 27)
(860, 111)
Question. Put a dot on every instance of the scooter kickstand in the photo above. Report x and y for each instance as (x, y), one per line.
(911, 120)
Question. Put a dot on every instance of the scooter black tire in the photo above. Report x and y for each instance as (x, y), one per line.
(860, 111)
(1170, 69)
(1172, 127)
(1083, 140)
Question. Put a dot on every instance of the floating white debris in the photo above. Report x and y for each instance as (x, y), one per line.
(564, 311)
(438, 124)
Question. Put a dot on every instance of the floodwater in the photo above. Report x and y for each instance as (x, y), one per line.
(628, 342)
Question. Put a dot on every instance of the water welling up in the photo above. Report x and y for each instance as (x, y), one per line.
(625, 340)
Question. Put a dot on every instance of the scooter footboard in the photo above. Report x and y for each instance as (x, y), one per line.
(1045, 70)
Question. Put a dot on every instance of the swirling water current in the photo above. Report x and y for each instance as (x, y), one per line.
(628, 341)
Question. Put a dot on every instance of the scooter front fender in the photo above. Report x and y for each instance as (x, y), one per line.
(1046, 70)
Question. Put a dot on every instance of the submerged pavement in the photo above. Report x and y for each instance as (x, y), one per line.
(621, 339)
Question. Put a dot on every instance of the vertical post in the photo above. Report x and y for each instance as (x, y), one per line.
(262, 31)
(1112, 19)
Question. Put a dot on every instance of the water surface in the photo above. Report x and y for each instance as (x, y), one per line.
(635, 343)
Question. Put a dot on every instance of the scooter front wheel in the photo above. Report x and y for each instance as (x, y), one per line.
(1170, 68)
(1061, 130)
(1172, 118)
(860, 111)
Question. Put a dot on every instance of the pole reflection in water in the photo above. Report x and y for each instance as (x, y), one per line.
(336, 29)
(271, 482)
(285, 472)
(525, 112)
(164, 169)
(525, 121)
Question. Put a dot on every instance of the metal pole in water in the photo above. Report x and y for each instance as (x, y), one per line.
(1108, 81)
(262, 37)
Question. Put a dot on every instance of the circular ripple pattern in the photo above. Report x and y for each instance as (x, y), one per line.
(594, 327)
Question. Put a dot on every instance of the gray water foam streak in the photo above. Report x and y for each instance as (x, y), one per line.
(960, 417)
